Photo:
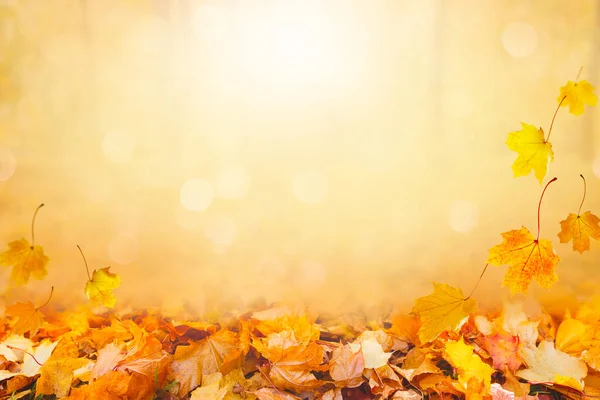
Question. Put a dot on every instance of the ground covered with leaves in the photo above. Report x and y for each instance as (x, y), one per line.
(276, 353)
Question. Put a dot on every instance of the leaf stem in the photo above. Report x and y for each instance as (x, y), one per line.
(584, 193)
(578, 74)
(540, 207)
(553, 118)
(86, 264)
(26, 352)
(47, 301)
(33, 223)
(478, 281)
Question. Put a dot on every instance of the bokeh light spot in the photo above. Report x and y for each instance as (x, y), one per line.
(123, 249)
(519, 39)
(118, 147)
(196, 194)
(8, 164)
(310, 186)
(463, 216)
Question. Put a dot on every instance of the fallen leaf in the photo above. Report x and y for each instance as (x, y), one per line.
(56, 376)
(472, 371)
(26, 261)
(220, 352)
(445, 309)
(576, 95)
(503, 348)
(373, 354)
(527, 258)
(534, 152)
(579, 229)
(99, 288)
(346, 366)
(546, 364)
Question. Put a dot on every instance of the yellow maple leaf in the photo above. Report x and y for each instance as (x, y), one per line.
(575, 95)
(445, 309)
(535, 152)
(471, 370)
(579, 229)
(528, 258)
(99, 287)
(57, 374)
(26, 261)
(546, 364)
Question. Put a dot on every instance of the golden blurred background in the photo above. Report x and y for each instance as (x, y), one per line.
(335, 153)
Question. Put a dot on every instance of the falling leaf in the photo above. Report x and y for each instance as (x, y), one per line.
(535, 152)
(29, 318)
(445, 309)
(546, 364)
(471, 370)
(576, 95)
(26, 261)
(528, 259)
(579, 229)
(99, 288)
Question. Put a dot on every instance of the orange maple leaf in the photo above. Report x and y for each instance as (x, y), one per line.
(28, 317)
(580, 228)
(528, 258)
(220, 352)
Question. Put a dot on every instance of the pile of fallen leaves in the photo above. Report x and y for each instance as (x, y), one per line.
(279, 354)
(443, 348)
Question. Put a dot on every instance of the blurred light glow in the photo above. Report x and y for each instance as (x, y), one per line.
(519, 39)
(233, 182)
(463, 216)
(311, 275)
(8, 164)
(118, 147)
(457, 103)
(147, 35)
(596, 167)
(210, 22)
(196, 194)
(221, 229)
(123, 249)
(310, 186)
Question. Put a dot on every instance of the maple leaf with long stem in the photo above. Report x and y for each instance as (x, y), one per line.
(27, 260)
(528, 257)
(28, 317)
(100, 284)
(580, 227)
(576, 95)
